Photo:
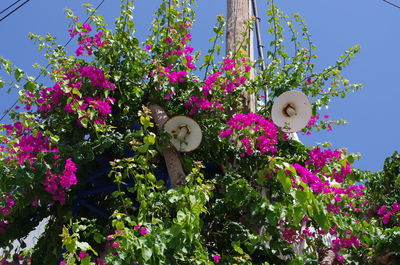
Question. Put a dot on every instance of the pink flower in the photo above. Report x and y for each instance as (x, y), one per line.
(87, 27)
(82, 255)
(168, 40)
(264, 137)
(144, 231)
(115, 244)
(382, 210)
(80, 50)
(217, 258)
(99, 261)
(395, 207)
(225, 133)
(386, 218)
(68, 177)
(136, 227)
(148, 47)
(340, 258)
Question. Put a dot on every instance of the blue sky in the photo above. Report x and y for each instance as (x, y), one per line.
(373, 113)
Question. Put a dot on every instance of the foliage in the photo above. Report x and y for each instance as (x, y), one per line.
(252, 195)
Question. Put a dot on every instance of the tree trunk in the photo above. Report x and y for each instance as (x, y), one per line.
(171, 156)
(238, 18)
(327, 256)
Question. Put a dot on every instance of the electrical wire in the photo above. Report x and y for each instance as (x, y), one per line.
(390, 3)
(15, 9)
(47, 66)
(5, 9)
(260, 46)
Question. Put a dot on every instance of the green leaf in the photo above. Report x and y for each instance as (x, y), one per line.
(237, 248)
(321, 219)
(86, 261)
(143, 148)
(18, 73)
(71, 246)
(76, 91)
(98, 237)
(297, 215)
(301, 196)
(145, 121)
(180, 216)
(83, 246)
(147, 253)
(218, 48)
(149, 139)
(30, 85)
(208, 58)
(84, 122)
(285, 181)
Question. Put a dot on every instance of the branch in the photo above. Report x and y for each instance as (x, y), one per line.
(326, 256)
(171, 156)
(390, 3)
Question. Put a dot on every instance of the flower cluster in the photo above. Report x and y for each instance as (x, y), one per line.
(173, 76)
(177, 49)
(27, 144)
(292, 235)
(23, 145)
(344, 242)
(115, 244)
(7, 203)
(142, 229)
(218, 86)
(318, 123)
(255, 133)
(18, 259)
(71, 99)
(86, 43)
(324, 186)
(318, 159)
(387, 213)
(57, 184)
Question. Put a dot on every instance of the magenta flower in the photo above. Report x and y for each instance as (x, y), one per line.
(144, 231)
(82, 255)
(308, 81)
(264, 136)
(115, 244)
(386, 218)
(382, 210)
(395, 207)
(216, 258)
(87, 27)
(340, 258)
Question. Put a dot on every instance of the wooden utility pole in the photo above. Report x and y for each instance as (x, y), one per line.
(237, 25)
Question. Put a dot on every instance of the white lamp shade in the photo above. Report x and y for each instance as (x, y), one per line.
(186, 133)
(291, 111)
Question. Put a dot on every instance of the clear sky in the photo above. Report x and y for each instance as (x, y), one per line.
(373, 113)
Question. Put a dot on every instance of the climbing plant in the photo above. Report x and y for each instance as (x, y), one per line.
(83, 153)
